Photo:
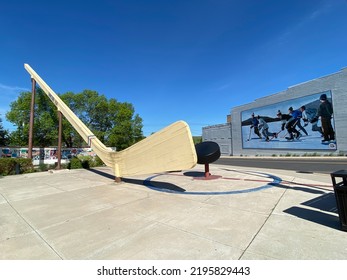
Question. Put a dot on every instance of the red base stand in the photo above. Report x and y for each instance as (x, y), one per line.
(207, 174)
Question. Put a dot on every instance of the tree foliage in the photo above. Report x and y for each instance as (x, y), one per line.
(3, 135)
(45, 131)
(114, 123)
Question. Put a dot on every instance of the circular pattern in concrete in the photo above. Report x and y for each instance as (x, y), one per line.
(230, 182)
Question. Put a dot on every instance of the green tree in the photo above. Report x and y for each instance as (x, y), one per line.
(70, 136)
(45, 128)
(113, 122)
(197, 139)
(126, 127)
(3, 135)
(92, 109)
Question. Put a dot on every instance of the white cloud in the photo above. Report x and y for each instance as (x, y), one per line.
(307, 19)
(9, 89)
(8, 94)
(223, 87)
(220, 87)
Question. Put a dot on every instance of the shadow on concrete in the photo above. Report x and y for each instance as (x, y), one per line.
(162, 186)
(157, 185)
(194, 174)
(102, 173)
(303, 188)
(326, 203)
(315, 216)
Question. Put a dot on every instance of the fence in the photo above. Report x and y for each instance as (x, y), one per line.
(45, 155)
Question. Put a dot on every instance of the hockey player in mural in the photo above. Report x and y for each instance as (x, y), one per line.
(255, 126)
(289, 122)
(325, 113)
(263, 126)
(297, 115)
(310, 118)
(300, 123)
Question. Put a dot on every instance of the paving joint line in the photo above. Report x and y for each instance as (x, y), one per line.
(34, 230)
(262, 226)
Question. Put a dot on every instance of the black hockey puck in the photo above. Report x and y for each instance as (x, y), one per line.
(207, 152)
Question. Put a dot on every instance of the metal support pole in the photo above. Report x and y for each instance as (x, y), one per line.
(31, 123)
(207, 170)
(60, 131)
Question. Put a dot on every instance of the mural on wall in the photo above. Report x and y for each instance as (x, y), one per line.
(292, 124)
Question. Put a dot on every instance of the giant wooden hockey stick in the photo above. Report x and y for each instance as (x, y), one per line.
(169, 149)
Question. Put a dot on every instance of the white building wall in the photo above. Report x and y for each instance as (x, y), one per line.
(221, 134)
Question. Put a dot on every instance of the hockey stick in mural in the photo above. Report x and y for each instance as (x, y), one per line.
(169, 149)
(250, 134)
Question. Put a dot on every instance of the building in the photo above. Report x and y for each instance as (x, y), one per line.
(237, 137)
(221, 134)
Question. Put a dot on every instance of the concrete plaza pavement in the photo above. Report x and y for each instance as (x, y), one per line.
(246, 214)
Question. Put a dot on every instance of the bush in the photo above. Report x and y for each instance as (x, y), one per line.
(11, 166)
(26, 165)
(98, 161)
(43, 167)
(85, 162)
(75, 163)
(7, 166)
(65, 165)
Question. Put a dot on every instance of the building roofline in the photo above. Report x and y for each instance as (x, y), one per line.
(299, 84)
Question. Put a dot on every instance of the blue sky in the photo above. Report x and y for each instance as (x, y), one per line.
(191, 60)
